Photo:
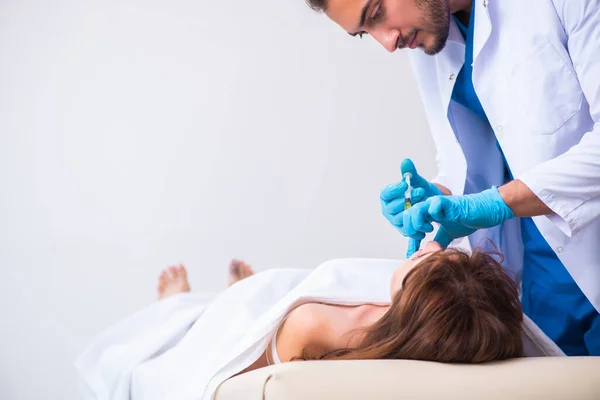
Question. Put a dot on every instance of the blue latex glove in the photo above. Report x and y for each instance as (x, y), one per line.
(392, 200)
(477, 211)
(417, 221)
(458, 216)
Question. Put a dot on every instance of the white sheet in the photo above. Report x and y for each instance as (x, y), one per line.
(183, 347)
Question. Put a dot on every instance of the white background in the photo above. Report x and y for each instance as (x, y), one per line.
(135, 134)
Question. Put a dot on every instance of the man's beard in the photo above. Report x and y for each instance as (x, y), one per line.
(436, 17)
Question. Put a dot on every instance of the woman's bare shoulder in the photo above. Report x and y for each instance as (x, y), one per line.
(308, 325)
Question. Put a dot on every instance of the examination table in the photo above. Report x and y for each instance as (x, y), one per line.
(564, 378)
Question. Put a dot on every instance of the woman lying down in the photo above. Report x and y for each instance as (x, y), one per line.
(445, 306)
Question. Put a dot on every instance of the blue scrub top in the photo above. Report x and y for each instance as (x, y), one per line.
(551, 298)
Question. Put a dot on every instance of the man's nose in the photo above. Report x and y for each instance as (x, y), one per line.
(387, 38)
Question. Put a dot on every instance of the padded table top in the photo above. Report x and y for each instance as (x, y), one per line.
(525, 378)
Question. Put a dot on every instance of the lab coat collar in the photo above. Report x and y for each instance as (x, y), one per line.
(454, 34)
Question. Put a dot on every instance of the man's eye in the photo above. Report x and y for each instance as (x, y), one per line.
(376, 15)
(359, 34)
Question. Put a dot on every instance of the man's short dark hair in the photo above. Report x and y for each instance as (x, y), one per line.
(317, 5)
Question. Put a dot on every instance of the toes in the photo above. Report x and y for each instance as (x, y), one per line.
(162, 283)
(182, 271)
(173, 274)
(245, 270)
(172, 280)
(234, 267)
(162, 279)
(239, 270)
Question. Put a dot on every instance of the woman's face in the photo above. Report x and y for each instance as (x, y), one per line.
(409, 264)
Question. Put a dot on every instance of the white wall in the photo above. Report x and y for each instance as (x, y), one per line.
(134, 134)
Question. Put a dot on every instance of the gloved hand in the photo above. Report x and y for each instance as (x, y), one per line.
(392, 200)
(417, 221)
(458, 216)
(477, 211)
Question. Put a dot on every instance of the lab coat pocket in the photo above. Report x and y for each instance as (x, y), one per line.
(545, 91)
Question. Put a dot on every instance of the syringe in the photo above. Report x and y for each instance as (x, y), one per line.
(407, 197)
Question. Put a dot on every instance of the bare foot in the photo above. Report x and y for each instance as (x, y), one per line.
(172, 280)
(238, 270)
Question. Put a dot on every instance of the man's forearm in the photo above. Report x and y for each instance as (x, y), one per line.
(522, 201)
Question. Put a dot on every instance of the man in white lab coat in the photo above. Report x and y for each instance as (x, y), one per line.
(511, 89)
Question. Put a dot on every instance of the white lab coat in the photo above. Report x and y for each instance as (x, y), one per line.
(536, 72)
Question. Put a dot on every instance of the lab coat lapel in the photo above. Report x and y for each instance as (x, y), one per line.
(482, 28)
(449, 63)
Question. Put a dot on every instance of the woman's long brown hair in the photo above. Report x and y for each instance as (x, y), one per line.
(454, 307)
